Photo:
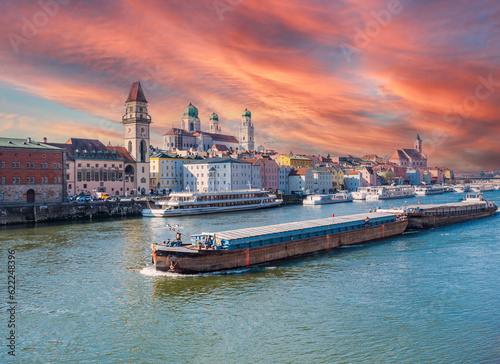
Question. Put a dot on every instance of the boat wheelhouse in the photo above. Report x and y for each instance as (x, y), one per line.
(194, 203)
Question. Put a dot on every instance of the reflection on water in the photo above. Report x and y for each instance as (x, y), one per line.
(88, 292)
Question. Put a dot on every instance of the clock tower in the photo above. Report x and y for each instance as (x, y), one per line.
(136, 122)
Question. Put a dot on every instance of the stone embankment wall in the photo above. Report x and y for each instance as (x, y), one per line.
(69, 211)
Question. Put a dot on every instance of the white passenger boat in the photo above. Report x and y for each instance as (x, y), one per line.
(327, 199)
(362, 192)
(482, 187)
(447, 189)
(195, 203)
(390, 192)
(497, 187)
(431, 190)
(461, 188)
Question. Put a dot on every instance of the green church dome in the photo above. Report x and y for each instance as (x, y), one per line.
(190, 111)
(214, 117)
(247, 113)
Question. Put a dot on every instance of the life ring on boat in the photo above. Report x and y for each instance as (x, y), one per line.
(173, 263)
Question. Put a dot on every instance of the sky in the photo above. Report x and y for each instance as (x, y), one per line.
(319, 76)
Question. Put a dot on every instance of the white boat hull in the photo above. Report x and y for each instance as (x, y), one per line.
(206, 210)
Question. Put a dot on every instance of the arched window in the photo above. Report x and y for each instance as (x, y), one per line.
(143, 151)
(130, 147)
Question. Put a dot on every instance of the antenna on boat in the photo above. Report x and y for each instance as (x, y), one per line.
(175, 229)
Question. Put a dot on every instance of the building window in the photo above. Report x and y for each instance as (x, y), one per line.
(16, 196)
(3, 164)
(13, 179)
(13, 164)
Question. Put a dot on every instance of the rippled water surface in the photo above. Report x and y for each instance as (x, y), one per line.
(86, 292)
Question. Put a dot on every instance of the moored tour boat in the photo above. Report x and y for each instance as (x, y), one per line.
(196, 203)
(208, 252)
(327, 199)
(432, 190)
(390, 192)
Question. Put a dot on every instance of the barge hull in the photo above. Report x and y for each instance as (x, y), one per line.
(202, 261)
(418, 221)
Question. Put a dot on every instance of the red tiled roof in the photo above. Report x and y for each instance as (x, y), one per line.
(219, 137)
(413, 154)
(250, 160)
(92, 149)
(299, 172)
(122, 153)
(136, 93)
(220, 147)
(175, 131)
(399, 154)
(353, 173)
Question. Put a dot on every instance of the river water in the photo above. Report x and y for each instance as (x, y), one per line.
(86, 292)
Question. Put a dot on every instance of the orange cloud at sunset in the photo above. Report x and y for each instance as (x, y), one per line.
(429, 67)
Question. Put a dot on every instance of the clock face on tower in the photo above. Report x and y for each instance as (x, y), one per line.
(128, 132)
(142, 132)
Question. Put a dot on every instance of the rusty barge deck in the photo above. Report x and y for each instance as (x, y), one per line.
(435, 215)
(247, 247)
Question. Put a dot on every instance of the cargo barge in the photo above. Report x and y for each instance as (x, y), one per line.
(436, 215)
(242, 248)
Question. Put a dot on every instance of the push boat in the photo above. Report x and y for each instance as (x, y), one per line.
(242, 248)
(327, 199)
(436, 215)
(196, 203)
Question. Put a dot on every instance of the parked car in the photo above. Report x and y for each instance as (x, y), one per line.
(82, 199)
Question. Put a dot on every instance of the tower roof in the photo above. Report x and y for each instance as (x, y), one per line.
(214, 117)
(136, 93)
(190, 111)
(418, 137)
(247, 113)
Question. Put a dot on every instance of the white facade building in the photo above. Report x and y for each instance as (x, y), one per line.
(218, 174)
(301, 181)
(353, 180)
(323, 181)
(283, 183)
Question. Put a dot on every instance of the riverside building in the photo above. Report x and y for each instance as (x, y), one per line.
(30, 172)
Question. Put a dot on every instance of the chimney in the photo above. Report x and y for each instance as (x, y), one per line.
(44, 139)
(28, 139)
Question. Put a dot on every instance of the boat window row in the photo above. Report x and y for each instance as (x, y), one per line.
(229, 196)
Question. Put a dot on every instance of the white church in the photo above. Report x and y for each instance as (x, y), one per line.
(190, 136)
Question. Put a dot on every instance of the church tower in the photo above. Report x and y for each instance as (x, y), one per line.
(136, 122)
(418, 143)
(190, 121)
(246, 131)
(214, 124)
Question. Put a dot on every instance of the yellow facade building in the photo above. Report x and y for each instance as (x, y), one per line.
(295, 161)
(167, 171)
